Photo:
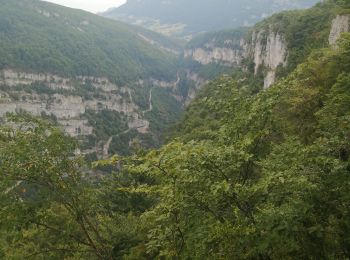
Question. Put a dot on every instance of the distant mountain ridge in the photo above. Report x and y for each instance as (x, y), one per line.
(95, 77)
(45, 37)
(183, 18)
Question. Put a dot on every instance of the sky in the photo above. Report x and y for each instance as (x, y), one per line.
(93, 6)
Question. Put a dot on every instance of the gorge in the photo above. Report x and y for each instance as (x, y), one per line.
(117, 142)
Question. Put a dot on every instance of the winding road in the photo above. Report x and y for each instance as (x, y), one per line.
(149, 109)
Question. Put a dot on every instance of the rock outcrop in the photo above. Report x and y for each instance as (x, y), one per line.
(68, 107)
(224, 56)
(198, 84)
(265, 48)
(340, 25)
(13, 78)
(76, 127)
(268, 49)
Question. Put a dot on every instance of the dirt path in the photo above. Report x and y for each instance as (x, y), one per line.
(13, 187)
(108, 143)
(106, 147)
(150, 108)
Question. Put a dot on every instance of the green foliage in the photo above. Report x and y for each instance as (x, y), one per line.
(166, 111)
(106, 123)
(303, 31)
(120, 143)
(225, 38)
(269, 181)
(212, 70)
(50, 209)
(41, 37)
(252, 174)
(220, 39)
(41, 198)
(205, 115)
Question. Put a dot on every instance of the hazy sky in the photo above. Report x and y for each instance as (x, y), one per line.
(93, 6)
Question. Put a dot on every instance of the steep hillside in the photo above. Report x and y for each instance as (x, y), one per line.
(252, 173)
(262, 174)
(80, 44)
(258, 176)
(82, 69)
(269, 181)
(184, 18)
(272, 48)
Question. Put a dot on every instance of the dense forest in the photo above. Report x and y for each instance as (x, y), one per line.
(302, 32)
(246, 174)
(42, 37)
(82, 54)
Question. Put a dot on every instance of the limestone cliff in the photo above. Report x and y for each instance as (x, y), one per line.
(268, 49)
(265, 48)
(340, 24)
(225, 56)
(198, 84)
(68, 99)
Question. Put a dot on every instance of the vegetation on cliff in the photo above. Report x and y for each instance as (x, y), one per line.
(42, 37)
(81, 54)
(250, 174)
(301, 31)
(267, 178)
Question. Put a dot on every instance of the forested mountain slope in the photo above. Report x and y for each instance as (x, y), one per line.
(91, 74)
(259, 175)
(184, 18)
(49, 38)
(270, 49)
(253, 173)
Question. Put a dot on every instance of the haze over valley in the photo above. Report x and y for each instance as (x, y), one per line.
(180, 18)
(175, 129)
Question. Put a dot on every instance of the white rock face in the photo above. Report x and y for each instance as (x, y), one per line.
(275, 51)
(257, 50)
(271, 55)
(68, 109)
(141, 125)
(339, 25)
(269, 78)
(199, 83)
(65, 106)
(60, 106)
(7, 108)
(225, 56)
(13, 78)
(266, 48)
(76, 127)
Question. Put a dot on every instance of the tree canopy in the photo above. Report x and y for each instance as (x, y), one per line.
(270, 180)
